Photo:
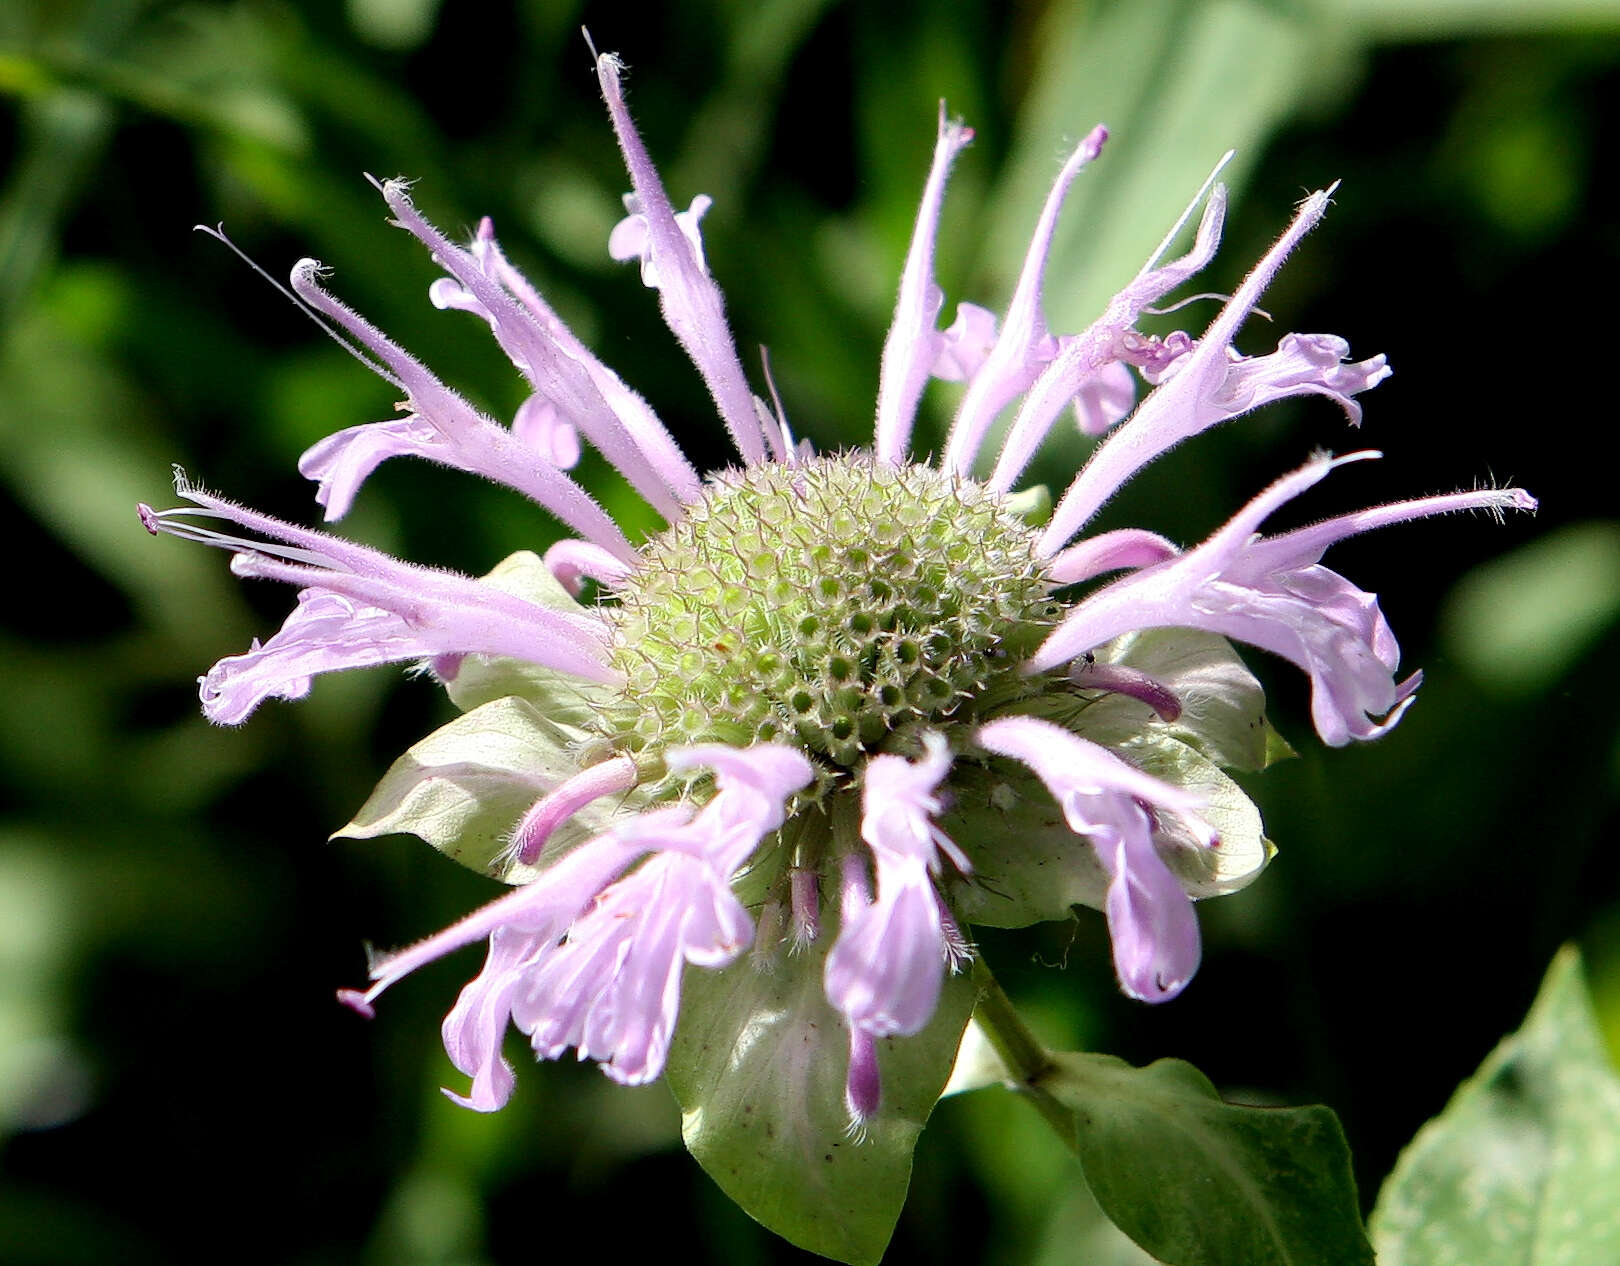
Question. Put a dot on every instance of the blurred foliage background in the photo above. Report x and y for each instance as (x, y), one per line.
(176, 1083)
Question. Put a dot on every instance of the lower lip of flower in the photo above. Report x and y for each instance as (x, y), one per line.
(838, 602)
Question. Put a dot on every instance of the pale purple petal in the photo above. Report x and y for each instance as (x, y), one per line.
(1109, 551)
(615, 774)
(888, 964)
(545, 361)
(913, 344)
(1108, 340)
(1025, 345)
(1105, 398)
(754, 786)
(1150, 918)
(1303, 364)
(475, 1026)
(367, 608)
(1274, 594)
(579, 958)
(543, 908)
(966, 345)
(612, 989)
(1195, 397)
(887, 967)
(326, 632)
(632, 239)
(650, 434)
(342, 462)
(573, 562)
(691, 302)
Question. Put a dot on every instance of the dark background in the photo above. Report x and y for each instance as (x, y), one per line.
(176, 1083)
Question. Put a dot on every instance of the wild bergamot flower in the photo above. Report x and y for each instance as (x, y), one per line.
(843, 704)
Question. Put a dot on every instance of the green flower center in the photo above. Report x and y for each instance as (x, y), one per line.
(835, 603)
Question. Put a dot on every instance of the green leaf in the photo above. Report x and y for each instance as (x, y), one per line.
(464, 787)
(1200, 1182)
(758, 1066)
(560, 697)
(1523, 1166)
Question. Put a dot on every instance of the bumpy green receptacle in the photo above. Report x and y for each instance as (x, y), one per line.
(835, 602)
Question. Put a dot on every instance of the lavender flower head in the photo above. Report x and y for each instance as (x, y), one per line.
(841, 706)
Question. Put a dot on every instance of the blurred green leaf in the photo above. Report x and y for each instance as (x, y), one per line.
(1522, 621)
(1200, 1182)
(1523, 1166)
(1451, 19)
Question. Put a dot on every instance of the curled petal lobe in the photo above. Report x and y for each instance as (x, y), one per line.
(537, 425)
(632, 239)
(474, 1027)
(326, 632)
(1303, 364)
(1104, 399)
(966, 345)
(340, 463)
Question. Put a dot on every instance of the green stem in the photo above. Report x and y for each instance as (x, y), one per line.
(1020, 1051)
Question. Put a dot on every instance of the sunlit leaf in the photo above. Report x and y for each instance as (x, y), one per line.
(1523, 1166)
(1200, 1182)
(464, 787)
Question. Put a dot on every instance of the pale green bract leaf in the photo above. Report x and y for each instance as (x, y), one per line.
(1523, 1166)
(560, 697)
(1242, 850)
(464, 787)
(1223, 706)
(758, 1066)
(1199, 1182)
